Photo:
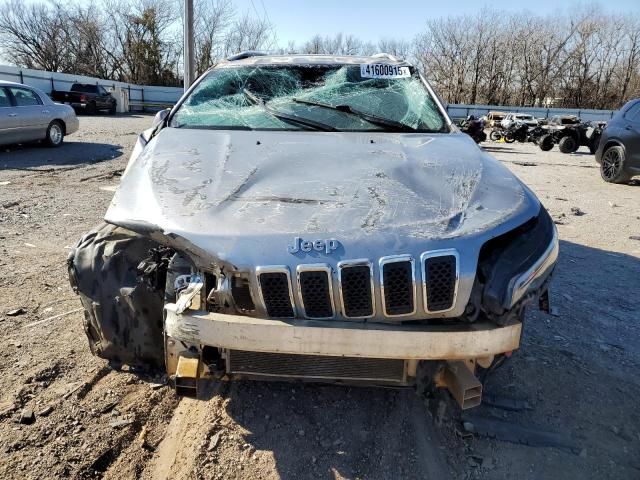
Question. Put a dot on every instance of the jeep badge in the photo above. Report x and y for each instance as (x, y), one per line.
(300, 245)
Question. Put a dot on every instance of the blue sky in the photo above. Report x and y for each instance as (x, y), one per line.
(372, 20)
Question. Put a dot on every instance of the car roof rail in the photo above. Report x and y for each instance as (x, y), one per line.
(246, 54)
(385, 55)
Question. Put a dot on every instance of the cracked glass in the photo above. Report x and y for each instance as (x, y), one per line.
(311, 97)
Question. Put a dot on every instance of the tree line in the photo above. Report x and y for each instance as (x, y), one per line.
(583, 58)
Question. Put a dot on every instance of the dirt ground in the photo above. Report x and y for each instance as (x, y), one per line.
(577, 370)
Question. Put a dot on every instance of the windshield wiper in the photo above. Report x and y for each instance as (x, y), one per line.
(385, 122)
(305, 122)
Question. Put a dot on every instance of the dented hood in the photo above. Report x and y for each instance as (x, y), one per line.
(219, 189)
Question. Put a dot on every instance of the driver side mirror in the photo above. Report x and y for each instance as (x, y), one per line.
(160, 117)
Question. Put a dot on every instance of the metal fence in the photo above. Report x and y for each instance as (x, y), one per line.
(141, 97)
(463, 111)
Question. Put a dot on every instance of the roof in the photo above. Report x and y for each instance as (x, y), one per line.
(8, 83)
(257, 58)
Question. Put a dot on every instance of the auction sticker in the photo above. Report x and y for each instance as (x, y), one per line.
(382, 70)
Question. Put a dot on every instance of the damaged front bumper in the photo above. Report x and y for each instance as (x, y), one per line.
(334, 351)
(367, 340)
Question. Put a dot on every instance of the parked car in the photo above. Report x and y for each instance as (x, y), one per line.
(29, 115)
(87, 98)
(511, 118)
(493, 119)
(313, 217)
(619, 148)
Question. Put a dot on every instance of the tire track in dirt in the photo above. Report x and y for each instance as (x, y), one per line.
(177, 454)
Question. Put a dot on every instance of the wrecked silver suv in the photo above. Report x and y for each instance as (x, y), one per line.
(313, 217)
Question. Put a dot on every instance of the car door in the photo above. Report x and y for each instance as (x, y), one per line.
(105, 98)
(33, 115)
(10, 131)
(630, 134)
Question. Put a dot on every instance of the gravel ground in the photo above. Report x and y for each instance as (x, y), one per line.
(576, 369)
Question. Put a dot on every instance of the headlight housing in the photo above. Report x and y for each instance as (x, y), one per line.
(515, 267)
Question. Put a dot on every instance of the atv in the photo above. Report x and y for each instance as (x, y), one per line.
(571, 137)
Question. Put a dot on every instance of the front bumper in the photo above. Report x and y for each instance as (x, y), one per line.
(341, 339)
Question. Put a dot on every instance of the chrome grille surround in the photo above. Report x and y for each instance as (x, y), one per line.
(283, 269)
(449, 252)
(398, 259)
(342, 266)
(316, 267)
(378, 300)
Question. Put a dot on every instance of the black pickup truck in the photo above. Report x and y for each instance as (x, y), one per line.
(86, 97)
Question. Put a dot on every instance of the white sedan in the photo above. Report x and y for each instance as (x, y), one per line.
(512, 118)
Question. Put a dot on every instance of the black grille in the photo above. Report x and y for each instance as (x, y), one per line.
(440, 282)
(356, 291)
(314, 288)
(275, 292)
(315, 366)
(398, 288)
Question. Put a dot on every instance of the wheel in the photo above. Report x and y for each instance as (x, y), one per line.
(123, 310)
(509, 138)
(92, 109)
(55, 134)
(545, 142)
(495, 135)
(112, 109)
(612, 166)
(568, 145)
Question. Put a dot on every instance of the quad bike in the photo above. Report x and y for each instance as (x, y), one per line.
(571, 137)
(474, 128)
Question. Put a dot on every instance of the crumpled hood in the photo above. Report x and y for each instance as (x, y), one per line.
(232, 186)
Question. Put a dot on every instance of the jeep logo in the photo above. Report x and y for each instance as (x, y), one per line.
(300, 245)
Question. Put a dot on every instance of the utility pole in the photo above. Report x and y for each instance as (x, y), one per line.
(189, 59)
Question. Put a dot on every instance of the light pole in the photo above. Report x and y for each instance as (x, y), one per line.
(189, 59)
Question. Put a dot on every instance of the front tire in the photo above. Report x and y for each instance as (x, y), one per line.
(612, 165)
(55, 134)
(568, 145)
(545, 143)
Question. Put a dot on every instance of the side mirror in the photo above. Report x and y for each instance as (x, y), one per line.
(160, 117)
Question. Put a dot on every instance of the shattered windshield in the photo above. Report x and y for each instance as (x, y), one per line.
(310, 97)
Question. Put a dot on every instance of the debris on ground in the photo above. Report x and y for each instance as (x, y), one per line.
(16, 312)
(27, 417)
(45, 411)
(122, 421)
(213, 443)
(577, 212)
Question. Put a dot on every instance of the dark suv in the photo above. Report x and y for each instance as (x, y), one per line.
(619, 150)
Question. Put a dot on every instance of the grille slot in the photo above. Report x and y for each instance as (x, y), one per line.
(356, 287)
(315, 366)
(315, 291)
(440, 277)
(276, 294)
(398, 285)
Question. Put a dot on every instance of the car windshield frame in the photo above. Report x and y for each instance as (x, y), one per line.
(430, 109)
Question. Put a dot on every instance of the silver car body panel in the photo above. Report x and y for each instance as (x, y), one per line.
(29, 123)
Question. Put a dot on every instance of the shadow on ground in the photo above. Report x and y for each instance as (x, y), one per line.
(69, 154)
